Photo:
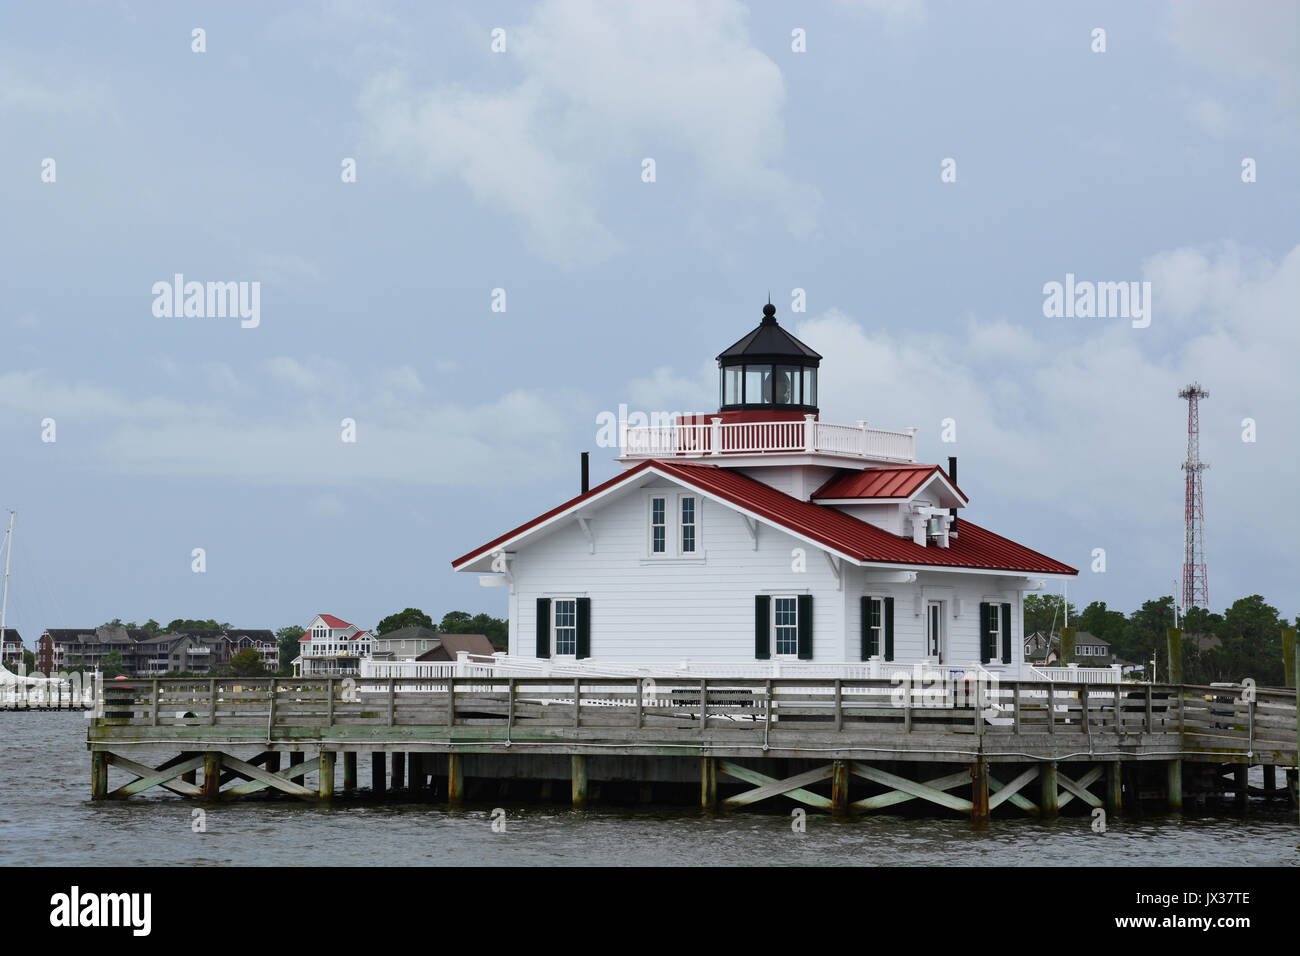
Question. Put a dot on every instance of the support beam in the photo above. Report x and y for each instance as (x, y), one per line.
(1050, 801)
(578, 771)
(839, 788)
(1174, 789)
(350, 771)
(930, 794)
(326, 785)
(98, 774)
(212, 775)
(708, 783)
(455, 778)
(164, 776)
(979, 790)
(1011, 791)
(378, 777)
(766, 786)
(399, 770)
(1114, 786)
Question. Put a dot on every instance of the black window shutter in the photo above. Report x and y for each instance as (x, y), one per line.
(543, 627)
(869, 649)
(584, 628)
(985, 656)
(762, 627)
(889, 629)
(1006, 634)
(805, 627)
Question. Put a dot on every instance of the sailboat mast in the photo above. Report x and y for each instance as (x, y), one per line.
(4, 601)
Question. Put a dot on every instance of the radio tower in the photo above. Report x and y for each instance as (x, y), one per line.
(1196, 586)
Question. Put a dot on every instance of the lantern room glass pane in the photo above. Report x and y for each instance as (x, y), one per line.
(758, 385)
(731, 385)
(810, 386)
(786, 389)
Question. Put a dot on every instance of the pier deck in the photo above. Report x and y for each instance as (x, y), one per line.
(810, 740)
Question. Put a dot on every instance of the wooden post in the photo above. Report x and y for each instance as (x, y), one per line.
(212, 702)
(579, 774)
(1114, 786)
(1240, 789)
(392, 700)
(1175, 784)
(329, 696)
(1068, 636)
(708, 783)
(98, 774)
(1015, 707)
(416, 785)
(1270, 781)
(326, 786)
(455, 778)
(839, 788)
(1174, 642)
(211, 774)
(349, 771)
(399, 770)
(296, 757)
(1050, 800)
(153, 711)
(1289, 671)
(979, 789)
(378, 780)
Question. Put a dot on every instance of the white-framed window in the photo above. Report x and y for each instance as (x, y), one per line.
(876, 624)
(785, 625)
(658, 525)
(995, 628)
(564, 627)
(687, 512)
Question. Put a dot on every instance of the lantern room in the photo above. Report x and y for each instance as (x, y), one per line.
(768, 370)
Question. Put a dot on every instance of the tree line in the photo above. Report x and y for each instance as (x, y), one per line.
(1244, 641)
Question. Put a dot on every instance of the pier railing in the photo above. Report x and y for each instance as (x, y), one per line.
(1227, 720)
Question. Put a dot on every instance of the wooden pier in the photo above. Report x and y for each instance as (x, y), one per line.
(840, 746)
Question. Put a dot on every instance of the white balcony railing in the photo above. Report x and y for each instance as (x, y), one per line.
(811, 437)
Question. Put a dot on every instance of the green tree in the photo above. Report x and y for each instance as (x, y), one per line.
(185, 624)
(247, 663)
(111, 665)
(1252, 641)
(288, 638)
(1044, 612)
(29, 661)
(1101, 622)
(411, 617)
(459, 622)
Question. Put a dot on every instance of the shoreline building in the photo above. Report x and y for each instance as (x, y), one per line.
(331, 646)
(761, 537)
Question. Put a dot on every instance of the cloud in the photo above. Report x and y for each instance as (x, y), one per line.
(1259, 43)
(602, 86)
(895, 13)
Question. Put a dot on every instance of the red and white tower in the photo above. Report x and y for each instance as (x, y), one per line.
(1196, 586)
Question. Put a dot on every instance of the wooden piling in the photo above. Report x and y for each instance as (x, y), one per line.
(399, 770)
(326, 787)
(211, 774)
(1049, 802)
(273, 761)
(350, 771)
(1270, 781)
(579, 779)
(840, 788)
(979, 790)
(1240, 786)
(455, 778)
(415, 767)
(708, 783)
(1174, 784)
(378, 779)
(1114, 786)
(98, 774)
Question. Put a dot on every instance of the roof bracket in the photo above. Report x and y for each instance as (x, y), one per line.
(586, 533)
(834, 563)
(751, 525)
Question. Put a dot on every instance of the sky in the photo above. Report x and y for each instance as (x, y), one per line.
(920, 170)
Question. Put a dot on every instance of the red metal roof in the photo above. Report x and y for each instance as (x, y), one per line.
(974, 547)
(889, 481)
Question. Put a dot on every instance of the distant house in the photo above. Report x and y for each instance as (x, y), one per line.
(450, 645)
(146, 654)
(1088, 649)
(405, 643)
(261, 640)
(12, 653)
(332, 646)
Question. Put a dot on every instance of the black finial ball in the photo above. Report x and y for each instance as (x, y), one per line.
(769, 310)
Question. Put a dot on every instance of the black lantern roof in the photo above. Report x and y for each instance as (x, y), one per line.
(769, 343)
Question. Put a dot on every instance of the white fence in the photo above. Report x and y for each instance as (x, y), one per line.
(699, 440)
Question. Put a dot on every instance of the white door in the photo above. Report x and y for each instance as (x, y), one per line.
(934, 643)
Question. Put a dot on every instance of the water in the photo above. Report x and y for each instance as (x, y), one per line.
(47, 818)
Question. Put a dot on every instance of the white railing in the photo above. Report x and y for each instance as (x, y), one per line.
(1074, 674)
(713, 439)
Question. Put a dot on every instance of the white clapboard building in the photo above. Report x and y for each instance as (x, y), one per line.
(762, 540)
